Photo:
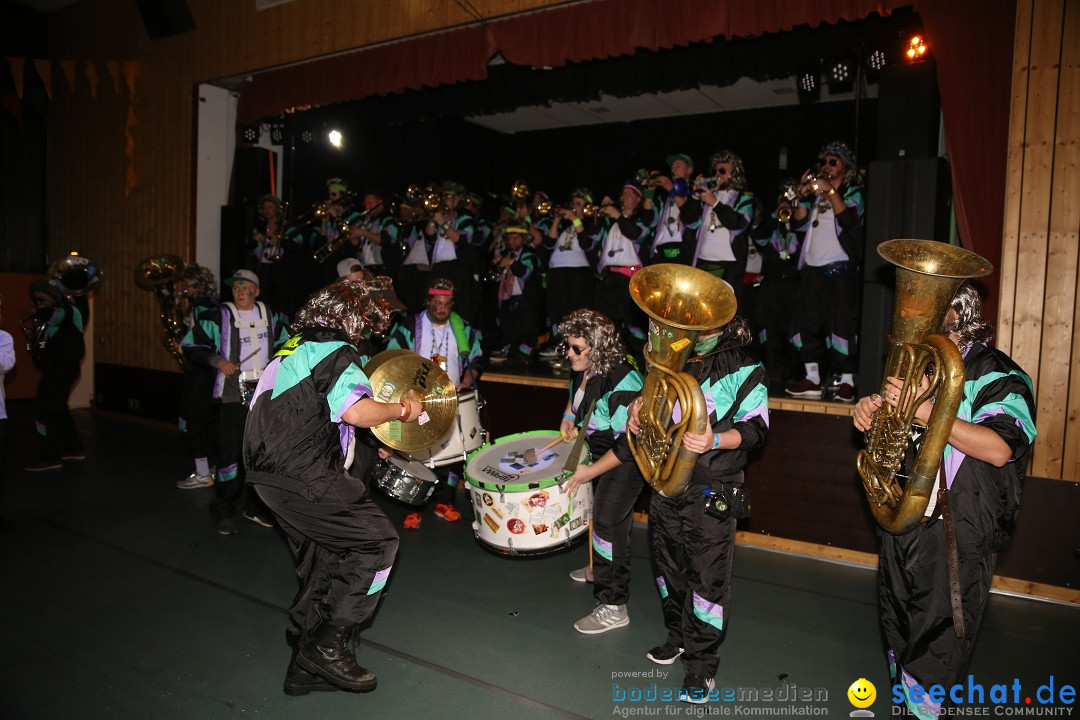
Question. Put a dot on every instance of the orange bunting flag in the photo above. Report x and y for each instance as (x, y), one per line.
(114, 70)
(131, 181)
(68, 66)
(44, 71)
(92, 77)
(131, 71)
(17, 74)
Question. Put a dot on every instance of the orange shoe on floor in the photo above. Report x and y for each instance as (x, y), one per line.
(412, 521)
(447, 512)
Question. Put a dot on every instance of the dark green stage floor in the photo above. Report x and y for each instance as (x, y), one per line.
(121, 601)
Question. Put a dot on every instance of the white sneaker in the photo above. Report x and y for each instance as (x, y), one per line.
(194, 481)
(602, 619)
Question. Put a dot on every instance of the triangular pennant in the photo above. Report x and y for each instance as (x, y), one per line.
(114, 70)
(17, 74)
(92, 77)
(13, 106)
(44, 71)
(131, 71)
(68, 66)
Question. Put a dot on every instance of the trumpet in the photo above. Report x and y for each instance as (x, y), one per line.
(32, 328)
(813, 184)
(344, 228)
(519, 191)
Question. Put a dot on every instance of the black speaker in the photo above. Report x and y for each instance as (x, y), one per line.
(237, 222)
(165, 17)
(254, 168)
(905, 199)
(909, 112)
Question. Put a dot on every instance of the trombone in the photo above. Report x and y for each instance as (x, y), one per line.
(344, 232)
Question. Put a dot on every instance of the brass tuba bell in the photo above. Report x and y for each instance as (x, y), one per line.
(75, 274)
(159, 273)
(680, 301)
(928, 274)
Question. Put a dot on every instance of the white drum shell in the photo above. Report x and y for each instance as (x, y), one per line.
(465, 435)
(526, 512)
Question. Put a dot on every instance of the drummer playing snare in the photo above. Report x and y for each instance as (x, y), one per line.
(441, 334)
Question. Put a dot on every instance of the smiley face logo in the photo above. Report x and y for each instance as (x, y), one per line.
(862, 693)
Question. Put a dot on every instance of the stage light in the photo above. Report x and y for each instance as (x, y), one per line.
(916, 48)
(841, 75)
(277, 133)
(307, 137)
(250, 133)
(809, 84)
(876, 60)
(334, 137)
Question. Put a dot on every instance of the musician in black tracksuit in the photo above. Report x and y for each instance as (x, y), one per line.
(300, 457)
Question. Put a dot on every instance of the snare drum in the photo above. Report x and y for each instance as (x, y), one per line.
(464, 436)
(249, 380)
(405, 480)
(519, 507)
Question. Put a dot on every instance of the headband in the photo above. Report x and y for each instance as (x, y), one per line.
(439, 291)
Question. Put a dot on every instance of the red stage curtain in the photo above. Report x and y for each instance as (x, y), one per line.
(972, 43)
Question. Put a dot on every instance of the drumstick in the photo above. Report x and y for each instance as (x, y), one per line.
(530, 454)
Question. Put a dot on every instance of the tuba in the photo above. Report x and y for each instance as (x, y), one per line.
(680, 301)
(928, 274)
(74, 274)
(159, 273)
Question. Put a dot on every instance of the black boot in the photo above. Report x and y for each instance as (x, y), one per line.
(328, 655)
(299, 681)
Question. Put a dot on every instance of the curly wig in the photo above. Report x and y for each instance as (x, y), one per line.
(853, 175)
(201, 279)
(970, 325)
(738, 172)
(352, 306)
(608, 349)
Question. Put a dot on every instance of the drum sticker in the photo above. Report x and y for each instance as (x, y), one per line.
(491, 523)
(423, 418)
(515, 526)
(575, 524)
(538, 500)
(499, 474)
(498, 512)
(487, 499)
(393, 432)
(562, 520)
(386, 391)
(538, 525)
(680, 344)
(511, 508)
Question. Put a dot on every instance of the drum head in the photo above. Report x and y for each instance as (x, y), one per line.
(413, 468)
(503, 466)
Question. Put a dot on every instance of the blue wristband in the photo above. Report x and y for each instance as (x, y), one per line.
(569, 417)
(715, 442)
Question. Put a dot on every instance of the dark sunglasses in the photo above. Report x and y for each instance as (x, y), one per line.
(720, 171)
(578, 351)
(831, 162)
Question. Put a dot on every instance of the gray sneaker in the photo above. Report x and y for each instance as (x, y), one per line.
(194, 481)
(581, 575)
(603, 618)
(225, 526)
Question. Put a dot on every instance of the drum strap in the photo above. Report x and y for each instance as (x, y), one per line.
(253, 327)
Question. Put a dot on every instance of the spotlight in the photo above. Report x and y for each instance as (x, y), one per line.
(307, 137)
(876, 60)
(809, 84)
(250, 133)
(916, 50)
(841, 75)
(277, 133)
(335, 138)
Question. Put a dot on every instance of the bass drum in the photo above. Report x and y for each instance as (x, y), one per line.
(405, 480)
(520, 507)
(465, 435)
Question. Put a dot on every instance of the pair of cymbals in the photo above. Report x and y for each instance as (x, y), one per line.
(392, 374)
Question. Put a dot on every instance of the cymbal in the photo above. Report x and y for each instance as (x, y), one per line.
(392, 374)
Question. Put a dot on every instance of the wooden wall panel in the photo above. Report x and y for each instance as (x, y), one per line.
(1061, 267)
(1040, 256)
